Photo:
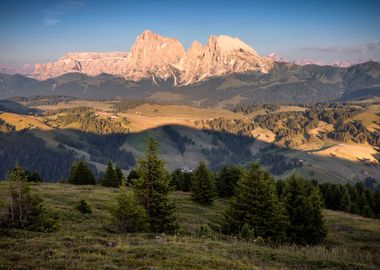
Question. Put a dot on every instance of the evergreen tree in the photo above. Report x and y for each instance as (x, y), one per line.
(227, 179)
(345, 200)
(34, 177)
(109, 177)
(376, 199)
(367, 211)
(132, 177)
(256, 204)
(128, 216)
(80, 174)
(202, 186)
(304, 207)
(119, 177)
(186, 181)
(152, 190)
(181, 180)
(280, 185)
(176, 179)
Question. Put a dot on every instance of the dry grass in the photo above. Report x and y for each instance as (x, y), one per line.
(97, 105)
(82, 242)
(23, 121)
(148, 116)
(352, 152)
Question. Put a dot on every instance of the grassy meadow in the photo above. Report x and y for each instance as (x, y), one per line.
(83, 241)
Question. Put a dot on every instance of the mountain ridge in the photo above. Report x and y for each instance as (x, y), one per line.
(159, 58)
(284, 83)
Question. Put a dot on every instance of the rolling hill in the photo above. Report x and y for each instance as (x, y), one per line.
(82, 242)
(310, 140)
(284, 83)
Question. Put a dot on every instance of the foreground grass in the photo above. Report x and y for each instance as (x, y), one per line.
(83, 242)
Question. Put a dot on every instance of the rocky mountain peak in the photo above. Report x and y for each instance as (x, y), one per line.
(152, 55)
(220, 56)
(156, 57)
(227, 43)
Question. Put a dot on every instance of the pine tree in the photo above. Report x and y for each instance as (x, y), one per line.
(345, 200)
(202, 185)
(128, 216)
(376, 207)
(176, 179)
(180, 180)
(34, 177)
(152, 190)
(119, 177)
(304, 208)
(256, 204)
(367, 211)
(109, 177)
(80, 174)
(132, 177)
(227, 179)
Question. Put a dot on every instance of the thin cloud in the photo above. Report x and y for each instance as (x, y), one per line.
(51, 22)
(365, 48)
(54, 14)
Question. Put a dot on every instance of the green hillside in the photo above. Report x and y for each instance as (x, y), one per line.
(83, 242)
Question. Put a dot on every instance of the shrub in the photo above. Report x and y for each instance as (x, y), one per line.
(83, 207)
(247, 233)
(204, 231)
(24, 209)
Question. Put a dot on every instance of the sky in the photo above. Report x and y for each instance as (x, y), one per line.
(33, 31)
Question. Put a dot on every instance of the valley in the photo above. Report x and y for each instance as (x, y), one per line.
(215, 135)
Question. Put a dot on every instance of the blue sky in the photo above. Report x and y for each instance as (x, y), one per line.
(41, 31)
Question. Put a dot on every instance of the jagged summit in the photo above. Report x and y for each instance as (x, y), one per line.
(228, 43)
(160, 58)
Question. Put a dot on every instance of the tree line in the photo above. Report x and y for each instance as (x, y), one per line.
(256, 211)
(287, 124)
(259, 208)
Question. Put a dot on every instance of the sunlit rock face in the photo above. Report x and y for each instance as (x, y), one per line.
(160, 58)
(220, 56)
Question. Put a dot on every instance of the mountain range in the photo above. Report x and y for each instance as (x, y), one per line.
(223, 71)
(303, 62)
(159, 58)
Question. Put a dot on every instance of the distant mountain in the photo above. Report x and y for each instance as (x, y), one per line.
(303, 62)
(283, 83)
(12, 69)
(160, 58)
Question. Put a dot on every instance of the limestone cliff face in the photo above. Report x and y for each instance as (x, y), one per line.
(160, 58)
(152, 56)
(221, 55)
(90, 63)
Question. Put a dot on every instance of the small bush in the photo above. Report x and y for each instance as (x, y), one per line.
(247, 233)
(204, 231)
(83, 207)
(34, 177)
